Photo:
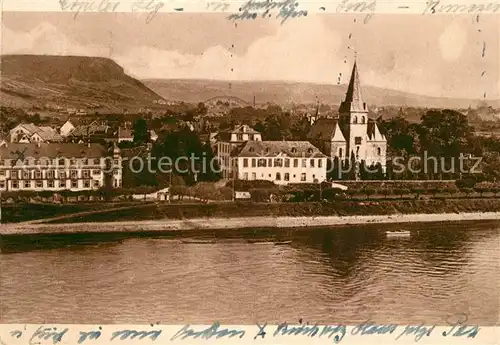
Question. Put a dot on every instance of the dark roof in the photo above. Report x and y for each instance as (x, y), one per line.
(273, 148)
(50, 150)
(353, 98)
(323, 129)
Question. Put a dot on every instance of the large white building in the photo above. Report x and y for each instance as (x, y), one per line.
(63, 166)
(281, 162)
(228, 141)
(352, 137)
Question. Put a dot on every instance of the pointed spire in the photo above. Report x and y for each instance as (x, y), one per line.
(354, 99)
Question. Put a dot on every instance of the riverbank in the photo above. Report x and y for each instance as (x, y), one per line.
(169, 225)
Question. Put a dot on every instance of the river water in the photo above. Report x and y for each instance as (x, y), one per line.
(346, 274)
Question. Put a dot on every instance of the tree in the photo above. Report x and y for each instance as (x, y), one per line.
(141, 131)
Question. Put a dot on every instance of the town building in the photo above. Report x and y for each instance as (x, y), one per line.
(62, 166)
(281, 162)
(352, 137)
(229, 140)
(29, 132)
(94, 132)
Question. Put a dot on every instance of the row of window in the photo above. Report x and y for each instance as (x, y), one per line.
(50, 184)
(293, 149)
(56, 161)
(280, 162)
(38, 174)
(277, 177)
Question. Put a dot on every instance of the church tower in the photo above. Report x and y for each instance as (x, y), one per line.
(353, 119)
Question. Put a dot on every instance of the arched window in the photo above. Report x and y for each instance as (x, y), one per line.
(362, 119)
(294, 150)
(309, 150)
(379, 151)
(340, 152)
(267, 150)
(355, 120)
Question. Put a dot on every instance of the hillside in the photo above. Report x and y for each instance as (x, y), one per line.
(192, 91)
(70, 81)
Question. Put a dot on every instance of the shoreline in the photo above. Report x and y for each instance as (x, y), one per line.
(220, 223)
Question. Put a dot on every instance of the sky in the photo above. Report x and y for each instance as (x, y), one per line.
(437, 55)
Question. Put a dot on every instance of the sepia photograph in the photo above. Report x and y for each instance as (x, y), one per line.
(265, 166)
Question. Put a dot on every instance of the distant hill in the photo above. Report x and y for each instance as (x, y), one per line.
(193, 91)
(78, 81)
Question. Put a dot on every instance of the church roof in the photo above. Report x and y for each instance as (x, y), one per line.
(353, 99)
(325, 129)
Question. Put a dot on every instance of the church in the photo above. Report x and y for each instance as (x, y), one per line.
(352, 137)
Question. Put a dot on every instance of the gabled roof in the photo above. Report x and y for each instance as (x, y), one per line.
(374, 133)
(353, 99)
(30, 127)
(125, 133)
(299, 149)
(239, 129)
(51, 150)
(326, 130)
(49, 134)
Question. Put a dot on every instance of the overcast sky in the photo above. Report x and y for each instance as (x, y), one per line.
(432, 55)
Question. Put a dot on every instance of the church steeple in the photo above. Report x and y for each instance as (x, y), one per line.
(353, 100)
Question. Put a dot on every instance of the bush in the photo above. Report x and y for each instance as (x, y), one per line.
(450, 190)
(260, 194)
(246, 185)
(469, 182)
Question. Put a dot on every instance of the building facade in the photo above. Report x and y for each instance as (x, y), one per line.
(352, 137)
(281, 162)
(29, 133)
(228, 141)
(53, 167)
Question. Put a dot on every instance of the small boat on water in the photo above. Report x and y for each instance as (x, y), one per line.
(398, 233)
(197, 241)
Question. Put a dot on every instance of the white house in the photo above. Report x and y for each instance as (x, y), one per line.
(229, 140)
(61, 166)
(282, 162)
(28, 132)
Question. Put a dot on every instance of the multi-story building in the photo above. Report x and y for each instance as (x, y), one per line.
(352, 137)
(282, 162)
(63, 166)
(228, 141)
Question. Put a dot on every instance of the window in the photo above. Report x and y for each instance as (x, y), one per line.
(245, 176)
(62, 174)
(270, 162)
(50, 183)
(261, 163)
(74, 174)
(62, 184)
(245, 162)
(2, 162)
(278, 162)
(116, 172)
(357, 141)
(311, 162)
(14, 174)
(251, 149)
(267, 150)
(287, 177)
(26, 174)
(320, 163)
(15, 184)
(303, 176)
(355, 120)
(294, 150)
(96, 183)
(62, 161)
(340, 152)
(96, 172)
(254, 162)
(254, 176)
(37, 162)
(85, 161)
(86, 173)
(39, 184)
(86, 183)
(2, 184)
(304, 163)
(239, 137)
(278, 176)
(116, 162)
(74, 184)
(287, 162)
(97, 161)
(362, 119)
(379, 151)
(2, 172)
(295, 163)
(27, 184)
(310, 150)
(73, 161)
(38, 174)
(50, 174)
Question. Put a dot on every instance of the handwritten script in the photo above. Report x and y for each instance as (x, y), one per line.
(77, 6)
(457, 327)
(254, 9)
